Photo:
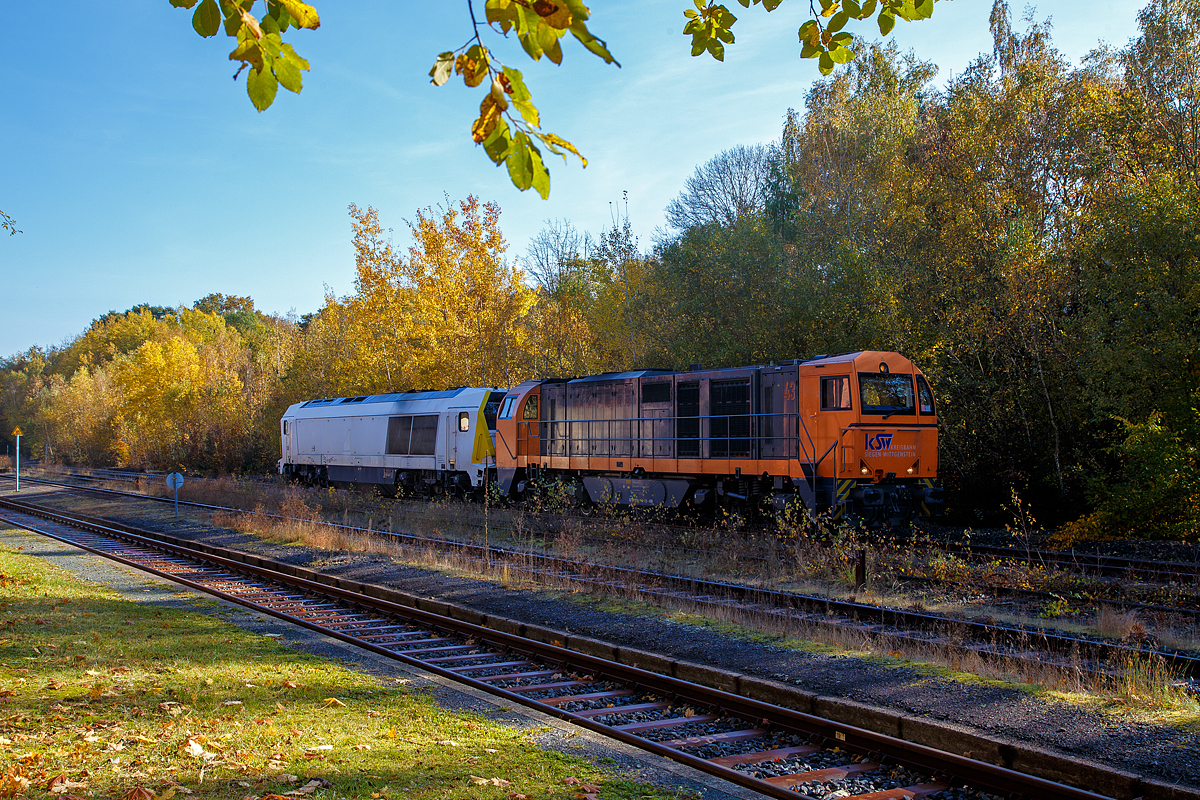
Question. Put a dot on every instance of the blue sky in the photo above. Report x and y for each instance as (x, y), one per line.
(139, 172)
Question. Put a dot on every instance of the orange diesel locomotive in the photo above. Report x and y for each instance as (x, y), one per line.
(854, 433)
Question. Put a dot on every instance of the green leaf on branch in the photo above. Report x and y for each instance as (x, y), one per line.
(262, 86)
(525, 166)
(887, 21)
(541, 175)
(183, 3)
(519, 162)
(810, 33)
(497, 143)
(592, 43)
(287, 72)
(207, 19)
(518, 95)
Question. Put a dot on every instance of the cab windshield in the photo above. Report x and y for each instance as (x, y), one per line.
(883, 393)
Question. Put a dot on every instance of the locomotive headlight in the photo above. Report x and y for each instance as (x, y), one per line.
(865, 471)
(916, 465)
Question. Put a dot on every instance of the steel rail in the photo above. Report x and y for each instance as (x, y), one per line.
(875, 746)
(905, 625)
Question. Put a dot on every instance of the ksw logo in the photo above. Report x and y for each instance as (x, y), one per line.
(882, 441)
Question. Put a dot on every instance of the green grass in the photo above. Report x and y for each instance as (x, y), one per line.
(100, 695)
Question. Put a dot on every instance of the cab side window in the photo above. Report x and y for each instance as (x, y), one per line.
(924, 396)
(531, 408)
(506, 410)
(835, 393)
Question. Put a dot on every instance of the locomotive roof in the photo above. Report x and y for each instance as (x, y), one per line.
(391, 397)
(618, 376)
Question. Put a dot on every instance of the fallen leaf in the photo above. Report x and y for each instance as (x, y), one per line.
(333, 701)
(448, 743)
(362, 747)
(320, 747)
(285, 778)
(490, 750)
(61, 784)
(572, 781)
(192, 748)
(232, 703)
(14, 781)
(139, 793)
(290, 685)
(310, 787)
(55, 685)
(589, 788)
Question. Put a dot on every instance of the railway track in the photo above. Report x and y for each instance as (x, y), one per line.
(990, 641)
(775, 751)
(1089, 563)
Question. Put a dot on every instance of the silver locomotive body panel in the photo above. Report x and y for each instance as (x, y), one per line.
(392, 439)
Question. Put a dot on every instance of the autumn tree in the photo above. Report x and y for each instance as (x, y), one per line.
(558, 260)
(470, 300)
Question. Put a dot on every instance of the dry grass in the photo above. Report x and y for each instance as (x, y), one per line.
(1115, 624)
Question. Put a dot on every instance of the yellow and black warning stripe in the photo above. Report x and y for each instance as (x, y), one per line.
(844, 488)
(928, 484)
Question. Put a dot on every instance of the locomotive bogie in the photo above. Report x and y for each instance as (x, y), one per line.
(410, 442)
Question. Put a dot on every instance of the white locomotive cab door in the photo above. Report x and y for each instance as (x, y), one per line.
(463, 440)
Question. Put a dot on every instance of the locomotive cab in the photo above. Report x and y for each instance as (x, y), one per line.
(878, 412)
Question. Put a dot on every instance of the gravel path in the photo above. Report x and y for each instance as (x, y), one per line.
(1147, 748)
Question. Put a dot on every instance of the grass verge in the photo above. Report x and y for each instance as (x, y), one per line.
(104, 697)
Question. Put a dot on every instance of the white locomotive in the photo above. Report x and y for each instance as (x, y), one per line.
(413, 442)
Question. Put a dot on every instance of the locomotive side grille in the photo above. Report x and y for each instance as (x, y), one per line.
(730, 421)
(687, 396)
